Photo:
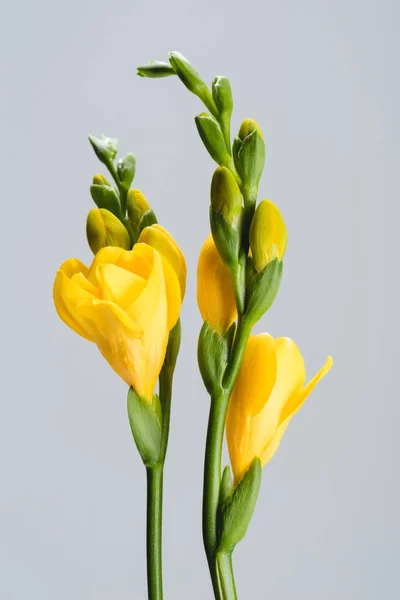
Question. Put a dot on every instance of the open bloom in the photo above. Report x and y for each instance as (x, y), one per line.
(215, 295)
(269, 390)
(126, 303)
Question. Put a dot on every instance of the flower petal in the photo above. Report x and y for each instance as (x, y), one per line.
(106, 255)
(215, 295)
(119, 285)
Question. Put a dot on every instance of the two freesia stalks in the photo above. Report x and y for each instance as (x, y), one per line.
(256, 383)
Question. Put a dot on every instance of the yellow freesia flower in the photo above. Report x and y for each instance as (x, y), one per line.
(215, 295)
(174, 266)
(120, 303)
(268, 235)
(269, 390)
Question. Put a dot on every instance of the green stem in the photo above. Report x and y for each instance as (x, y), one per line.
(123, 193)
(154, 532)
(225, 574)
(165, 389)
(213, 454)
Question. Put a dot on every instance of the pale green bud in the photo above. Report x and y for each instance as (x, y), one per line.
(105, 148)
(249, 154)
(100, 179)
(105, 229)
(139, 212)
(222, 94)
(155, 69)
(213, 139)
(226, 198)
(192, 80)
(247, 127)
(126, 168)
(105, 196)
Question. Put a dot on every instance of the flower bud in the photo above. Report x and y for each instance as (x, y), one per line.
(249, 155)
(105, 229)
(126, 168)
(100, 179)
(247, 127)
(105, 196)
(155, 69)
(226, 198)
(105, 148)
(192, 80)
(139, 212)
(268, 235)
(222, 94)
(213, 139)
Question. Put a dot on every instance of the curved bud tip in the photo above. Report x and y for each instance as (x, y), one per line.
(268, 235)
(247, 127)
(226, 198)
(105, 229)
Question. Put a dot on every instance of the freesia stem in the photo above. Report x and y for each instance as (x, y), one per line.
(213, 454)
(225, 574)
(154, 532)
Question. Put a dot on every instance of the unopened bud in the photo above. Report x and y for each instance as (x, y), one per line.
(247, 127)
(222, 94)
(105, 229)
(100, 179)
(139, 212)
(268, 235)
(155, 69)
(192, 80)
(213, 139)
(249, 154)
(226, 198)
(126, 168)
(105, 196)
(105, 148)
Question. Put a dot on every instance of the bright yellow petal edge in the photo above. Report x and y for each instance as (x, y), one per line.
(268, 392)
(122, 304)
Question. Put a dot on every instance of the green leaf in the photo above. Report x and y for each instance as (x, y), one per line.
(145, 422)
(105, 148)
(236, 512)
(126, 168)
(212, 354)
(213, 139)
(105, 196)
(263, 287)
(155, 69)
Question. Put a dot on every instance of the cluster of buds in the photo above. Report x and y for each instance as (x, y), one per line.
(122, 212)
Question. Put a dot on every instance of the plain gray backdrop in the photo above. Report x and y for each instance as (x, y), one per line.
(321, 78)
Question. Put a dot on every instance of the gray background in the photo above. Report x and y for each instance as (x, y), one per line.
(321, 79)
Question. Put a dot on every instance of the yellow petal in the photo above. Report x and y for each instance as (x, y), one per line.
(72, 266)
(118, 285)
(159, 238)
(268, 236)
(84, 283)
(107, 255)
(215, 295)
(255, 381)
(297, 401)
(67, 296)
(290, 410)
(61, 308)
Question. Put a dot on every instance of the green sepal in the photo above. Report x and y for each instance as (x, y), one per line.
(226, 487)
(249, 158)
(212, 355)
(236, 512)
(105, 148)
(262, 287)
(174, 342)
(230, 335)
(155, 69)
(145, 421)
(213, 139)
(227, 237)
(126, 168)
(105, 196)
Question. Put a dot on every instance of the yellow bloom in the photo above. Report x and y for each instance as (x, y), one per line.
(268, 235)
(269, 390)
(120, 303)
(215, 295)
(174, 267)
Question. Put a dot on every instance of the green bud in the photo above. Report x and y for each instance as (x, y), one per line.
(226, 198)
(139, 212)
(105, 196)
(126, 168)
(104, 229)
(99, 179)
(146, 421)
(249, 154)
(155, 69)
(213, 139)
(105, 148)
(237, 510)
(192, 80)
(247, 127)
(222, 94)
